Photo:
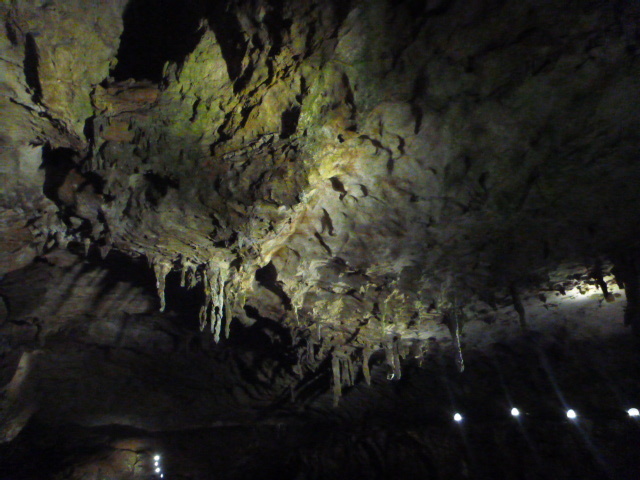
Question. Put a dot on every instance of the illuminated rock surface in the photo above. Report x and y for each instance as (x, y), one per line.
(292, 239)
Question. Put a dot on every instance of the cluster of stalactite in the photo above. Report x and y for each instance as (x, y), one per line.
(348, 361)
(213, 277)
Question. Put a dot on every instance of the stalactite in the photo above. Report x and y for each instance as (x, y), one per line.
(392, 358)
(517, 304)
(188, 277)
(204, 310)
(344, 372)
(452, 320)
(415, 352)
(105, 249)
(459, 359)
(192, 277)
(213, 310)
(388, 359)
(318, 332)
(366, 354)
(337, 381)
(311, 355)
(227, 314)
(161, 268)
(301, 352)
(347, 370)
(352, 371)
(396, 359)
(227, 323)
(183, 273)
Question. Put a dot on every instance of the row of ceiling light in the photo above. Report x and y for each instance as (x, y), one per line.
(156, 466)
(571, 414)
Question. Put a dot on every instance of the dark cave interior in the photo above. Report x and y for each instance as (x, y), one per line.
(273, 239)
(156, 32)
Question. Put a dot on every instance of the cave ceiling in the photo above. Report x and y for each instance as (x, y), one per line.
(293, 200)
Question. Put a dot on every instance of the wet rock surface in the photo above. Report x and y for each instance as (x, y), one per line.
(302, 235)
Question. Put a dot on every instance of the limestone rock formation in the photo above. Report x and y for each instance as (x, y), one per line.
(333, 216)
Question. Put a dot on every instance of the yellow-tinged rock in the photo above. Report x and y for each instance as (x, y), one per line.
(118, 131)
(117, 99)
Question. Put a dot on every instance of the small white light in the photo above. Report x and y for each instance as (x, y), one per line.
(157, 463)
(515, 412)
(162, 476)
(156, 458)
(157, 470)
(571, 414)
(457, 417)
(633, 412)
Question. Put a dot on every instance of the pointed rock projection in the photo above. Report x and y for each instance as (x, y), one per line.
(213, 310)
(161, 268)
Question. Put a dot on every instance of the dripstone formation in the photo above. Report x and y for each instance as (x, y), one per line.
(290, 239)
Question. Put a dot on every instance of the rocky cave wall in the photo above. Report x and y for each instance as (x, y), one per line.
(224, 214)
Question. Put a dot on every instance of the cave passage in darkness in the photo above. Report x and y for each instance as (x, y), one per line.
(156, 32)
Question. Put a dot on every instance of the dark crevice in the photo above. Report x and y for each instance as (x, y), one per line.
(158, 186)
(341, 9)
(289, 122)
(419, 90)
(228, 32)
(11, 33)
(244, 79)
(245, 113)
(88, 130)
(64, 184)
(194, 110)
(156, 32)
(310, 44)
(349, 97)
(223, 135)
(94, 180)
(338, 186)
(276, 25)
(323, 244)
(57, 163)
(267, 277)
(31, 63)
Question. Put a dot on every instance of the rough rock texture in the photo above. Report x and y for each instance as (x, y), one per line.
(231, 213)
